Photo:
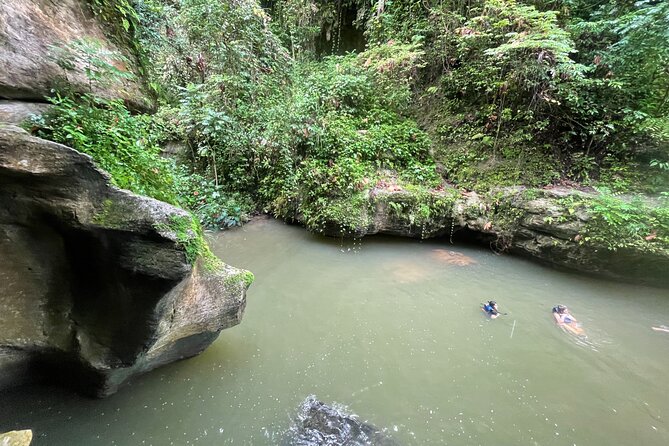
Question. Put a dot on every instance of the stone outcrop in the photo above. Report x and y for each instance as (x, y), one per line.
(30, 32)
(95, 282)
(16, 438)
(318, 424)
(540, 225)
(536, 223)
(16, 112)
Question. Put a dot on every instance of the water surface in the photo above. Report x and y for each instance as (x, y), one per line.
(391, 328)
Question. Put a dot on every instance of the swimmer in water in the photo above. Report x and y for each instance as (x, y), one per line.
(490, 309)
(565, 320)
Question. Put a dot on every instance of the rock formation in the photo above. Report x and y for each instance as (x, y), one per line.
(30, 33)
(96, 283)
(537, 223)
(318, 424)
(16, 112)
(16, 438)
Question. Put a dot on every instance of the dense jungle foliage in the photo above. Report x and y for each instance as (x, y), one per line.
(300, 107)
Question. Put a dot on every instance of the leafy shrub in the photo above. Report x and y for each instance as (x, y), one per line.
(628, 223)
(582, 82)
(125, 145)
(490, 92)
(319, 132)
(213, 206)
(121, 143)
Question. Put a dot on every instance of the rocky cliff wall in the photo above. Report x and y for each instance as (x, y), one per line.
(95, 282)
(30, 33)
(543, 224)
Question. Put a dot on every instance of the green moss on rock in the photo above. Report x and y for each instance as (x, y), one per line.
(245, 277)
(188, 235)
(112, 215)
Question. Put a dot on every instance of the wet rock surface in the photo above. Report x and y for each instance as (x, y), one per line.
(318, 424)
(94, 285)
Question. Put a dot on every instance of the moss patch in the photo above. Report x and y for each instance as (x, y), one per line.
(422, 207)
(245, 277)
(350, 213)
(188, 234)
(113, 215)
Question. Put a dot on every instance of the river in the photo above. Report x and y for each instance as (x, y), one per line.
(392, 330)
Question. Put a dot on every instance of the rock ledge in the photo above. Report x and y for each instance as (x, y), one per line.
(94, 286)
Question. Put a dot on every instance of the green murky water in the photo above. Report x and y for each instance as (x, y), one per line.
(392, 329)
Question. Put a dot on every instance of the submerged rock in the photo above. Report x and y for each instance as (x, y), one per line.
(95, 282)
(318, 424)
(452, 257)
(407, 271)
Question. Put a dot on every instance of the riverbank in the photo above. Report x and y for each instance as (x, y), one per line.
(575, 229)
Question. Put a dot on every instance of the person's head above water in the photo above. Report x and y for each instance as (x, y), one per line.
(560, 309)
(491, 308)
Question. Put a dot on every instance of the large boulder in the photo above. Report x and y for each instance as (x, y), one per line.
(553, 226)
(30, 33)
(16, 438)
(98, 284)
